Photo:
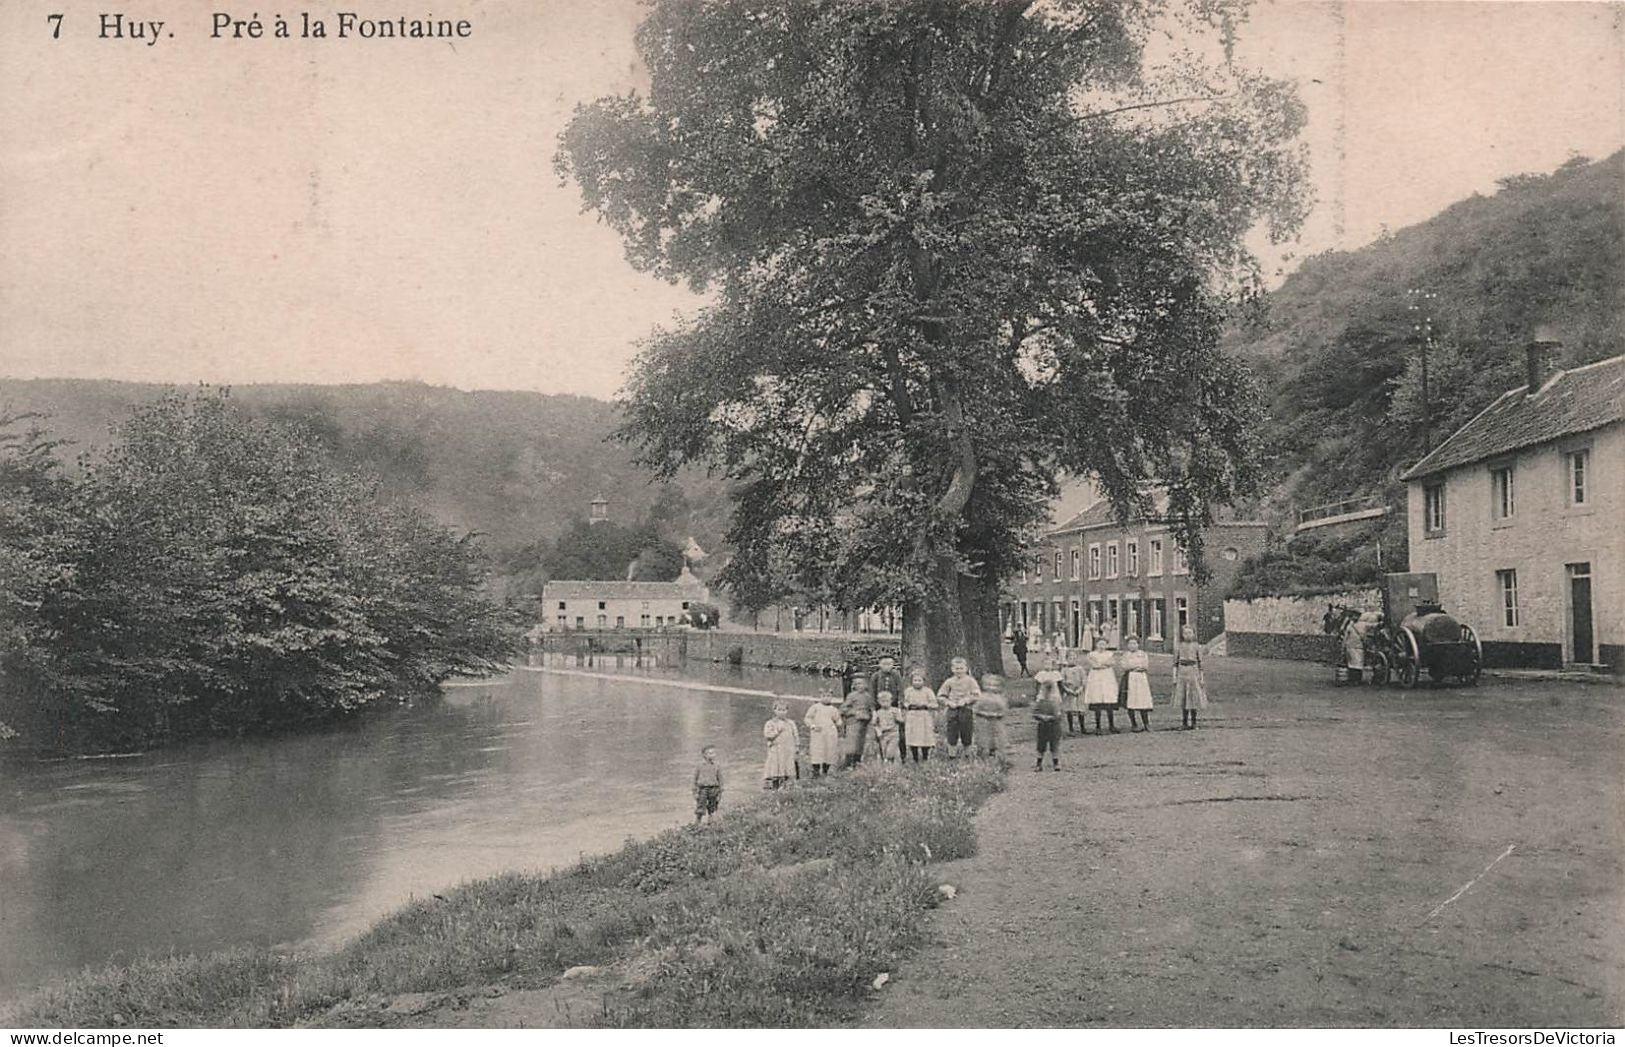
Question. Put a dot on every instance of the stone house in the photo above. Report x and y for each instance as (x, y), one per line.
(1093, 568)
(620, 605)
(1520, 514)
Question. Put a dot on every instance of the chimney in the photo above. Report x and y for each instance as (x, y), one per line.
(1541, 358)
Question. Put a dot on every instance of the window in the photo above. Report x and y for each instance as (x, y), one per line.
(1182, 611)
(1159, 615)
(602, 620)
(581, 623)
(1131, 610)
(620, 621)
(1023, 574)
(601, 606)
(1153, 566)
(1181, 564)
(561, 605)
(1111, 610)
(1507, 582)
(1433, 509)
(1111, 560)
(1057, 565)
(1577, 466)
(1094, 561)
(1077, 558)
(1133, 559)
(685, 605)
(643, 621)
(1502, 493)
(1094, 613)
(562, 621)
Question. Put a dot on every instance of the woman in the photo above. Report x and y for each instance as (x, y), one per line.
(1190, 689)
(782, 742)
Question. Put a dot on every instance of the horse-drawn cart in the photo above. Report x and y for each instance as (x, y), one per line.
(1410, 636)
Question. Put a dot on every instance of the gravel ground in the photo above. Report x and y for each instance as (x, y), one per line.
(1311, 856)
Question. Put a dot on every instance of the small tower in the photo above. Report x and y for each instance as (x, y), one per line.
(600, 510)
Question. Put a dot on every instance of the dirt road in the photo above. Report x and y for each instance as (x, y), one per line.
(1312, 856)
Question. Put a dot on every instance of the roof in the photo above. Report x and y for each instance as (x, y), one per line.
(1101, 514)
(581, 590)
(1574, 401)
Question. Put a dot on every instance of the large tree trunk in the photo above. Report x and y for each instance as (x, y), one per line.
(979, 610)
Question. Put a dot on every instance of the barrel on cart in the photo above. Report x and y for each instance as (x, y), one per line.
(1428, 640)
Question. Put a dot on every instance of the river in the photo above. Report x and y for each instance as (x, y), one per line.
(303, 841)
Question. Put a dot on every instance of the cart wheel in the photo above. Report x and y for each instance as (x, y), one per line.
(1379, 669)
(1477, 668)
(1410, 660)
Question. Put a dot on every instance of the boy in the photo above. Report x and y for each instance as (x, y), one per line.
(958, 693)
(1047, 715)
(707, 785)
(991, 708)
(856, 712)
(887, 678)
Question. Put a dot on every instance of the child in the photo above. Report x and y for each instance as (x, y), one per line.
(887, 678)
(958, 694)
(991, 708)
(1047, 715)
(1100, 690)
(823, 722)
(919, 728)
(707, 785)
(1190, 689)
(887, 724)
(1049, 680)
(782, 742)
(856, 712)
(1072, 685)
(1135, 665)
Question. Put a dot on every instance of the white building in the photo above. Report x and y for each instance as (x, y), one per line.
(1521, 514)
(621, 605)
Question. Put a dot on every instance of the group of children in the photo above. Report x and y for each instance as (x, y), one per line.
(898, 719)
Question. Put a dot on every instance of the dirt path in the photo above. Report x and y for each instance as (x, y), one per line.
(1299, 861)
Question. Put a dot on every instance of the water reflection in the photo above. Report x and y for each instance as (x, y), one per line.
(310, 839)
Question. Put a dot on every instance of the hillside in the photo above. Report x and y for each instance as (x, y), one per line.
(1335, 348)
(517, 467)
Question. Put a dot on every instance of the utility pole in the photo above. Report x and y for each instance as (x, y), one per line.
(1421, 310)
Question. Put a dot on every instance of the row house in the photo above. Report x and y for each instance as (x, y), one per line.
(1133, 579)
(1519, 515)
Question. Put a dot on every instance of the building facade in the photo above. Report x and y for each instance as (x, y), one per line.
(621, 605)
(1520, 513)
(1135, 576)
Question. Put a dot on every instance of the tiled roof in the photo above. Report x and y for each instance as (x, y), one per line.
(1101, 514)
(576, 590)
(1575, 401)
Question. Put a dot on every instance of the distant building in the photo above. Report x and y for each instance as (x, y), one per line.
(599, 512)
(1519, 514)
(1136, 576)
(621, 605)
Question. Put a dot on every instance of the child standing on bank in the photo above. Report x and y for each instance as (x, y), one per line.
(919, 719)
(991, 709)
(782, 742)
(1047, 717)
(707, 785)
(856, 713)
(1190, 689)
(887, 725)
(958, 693)
(823, 722)
(1136, 666)
(1100, 690)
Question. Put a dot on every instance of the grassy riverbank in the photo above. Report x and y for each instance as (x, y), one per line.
(781, 913)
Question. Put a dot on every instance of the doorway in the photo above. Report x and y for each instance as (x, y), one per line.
(1580, 633)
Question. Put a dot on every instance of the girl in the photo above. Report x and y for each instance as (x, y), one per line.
(782, 742)
(886, 723)
(823, 722)
(1136, 664)
(1100, 690)
(1073, 681)
(1190, 690)
(919, 721)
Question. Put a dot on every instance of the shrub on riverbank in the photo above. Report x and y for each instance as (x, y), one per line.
(781, 914)
(211, 574)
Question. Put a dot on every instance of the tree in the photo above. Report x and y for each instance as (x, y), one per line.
(952, 248)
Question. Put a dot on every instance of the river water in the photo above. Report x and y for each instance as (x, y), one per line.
(306, 840)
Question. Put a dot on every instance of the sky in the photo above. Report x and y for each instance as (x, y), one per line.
(242, 211)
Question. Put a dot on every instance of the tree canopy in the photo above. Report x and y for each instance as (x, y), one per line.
(952, 248)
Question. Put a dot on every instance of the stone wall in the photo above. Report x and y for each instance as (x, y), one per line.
(1288, 626)
(775, 650)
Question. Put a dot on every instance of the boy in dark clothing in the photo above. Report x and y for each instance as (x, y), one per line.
(887, 678)
(707, 785)
(1047, 715)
